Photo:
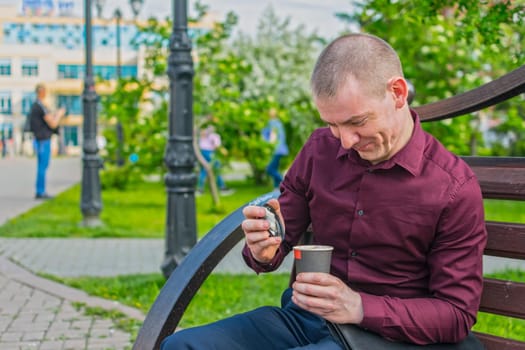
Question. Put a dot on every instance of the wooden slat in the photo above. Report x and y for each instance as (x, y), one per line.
(501, 182)
(501, 89)
(499, 162)
(492, 342)
(503, 298)
(186, 279)
(505, 240)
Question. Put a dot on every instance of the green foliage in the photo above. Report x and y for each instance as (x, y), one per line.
(119, 177)
(449, 47)
(144, 133)
(236, 81)
(280, 60)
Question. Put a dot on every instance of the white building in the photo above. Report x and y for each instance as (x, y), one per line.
(41, 42)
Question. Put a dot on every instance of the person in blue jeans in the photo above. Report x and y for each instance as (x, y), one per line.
(43, 124)
(274, 133)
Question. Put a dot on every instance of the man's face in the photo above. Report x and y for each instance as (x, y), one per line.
(370, 125)
(41, 93)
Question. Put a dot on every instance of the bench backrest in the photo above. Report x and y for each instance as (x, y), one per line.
(500, 178)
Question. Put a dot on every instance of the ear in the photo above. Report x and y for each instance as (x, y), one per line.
(398, 87)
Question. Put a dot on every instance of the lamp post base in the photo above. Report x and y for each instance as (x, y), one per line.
(169, 264)
(91, 221)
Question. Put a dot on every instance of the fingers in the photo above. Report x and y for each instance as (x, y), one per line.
(327, 296)
(253, 212)
(315, 283)
(262, 246)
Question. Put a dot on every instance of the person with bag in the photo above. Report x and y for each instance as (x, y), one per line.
(405, 217)
(44, 124)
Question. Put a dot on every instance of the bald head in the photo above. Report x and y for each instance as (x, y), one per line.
(366, 58)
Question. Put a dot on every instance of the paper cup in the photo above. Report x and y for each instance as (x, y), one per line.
(312, 258)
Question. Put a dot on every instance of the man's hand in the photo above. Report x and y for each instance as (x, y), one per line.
(327, 296)
(52, 119)
(258, 239)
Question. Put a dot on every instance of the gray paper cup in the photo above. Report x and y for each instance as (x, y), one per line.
(312, 258)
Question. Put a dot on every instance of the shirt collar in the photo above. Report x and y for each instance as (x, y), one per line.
(409, 157)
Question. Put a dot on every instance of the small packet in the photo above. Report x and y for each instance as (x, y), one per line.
(276, 226)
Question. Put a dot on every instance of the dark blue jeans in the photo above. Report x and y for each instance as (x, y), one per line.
(43, 155)
(273, 170)
(265, 328)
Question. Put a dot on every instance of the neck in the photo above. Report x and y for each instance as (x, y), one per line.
(406, 130)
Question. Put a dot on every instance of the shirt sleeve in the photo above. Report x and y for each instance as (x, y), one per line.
(455, 280)
(294, 208)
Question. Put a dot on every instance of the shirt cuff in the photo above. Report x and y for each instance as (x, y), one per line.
(373, 312)
(254, 264)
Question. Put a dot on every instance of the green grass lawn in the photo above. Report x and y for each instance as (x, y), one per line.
(221, 295)
(224, 295)
(137, 212)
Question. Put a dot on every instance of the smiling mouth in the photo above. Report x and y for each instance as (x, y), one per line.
(363, 148)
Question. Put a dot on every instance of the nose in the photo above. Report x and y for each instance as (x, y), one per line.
(348, 137)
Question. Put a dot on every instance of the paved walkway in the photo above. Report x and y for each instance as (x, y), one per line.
(36, 313)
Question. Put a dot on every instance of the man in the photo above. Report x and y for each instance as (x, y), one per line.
(43, 125)
(404, 215)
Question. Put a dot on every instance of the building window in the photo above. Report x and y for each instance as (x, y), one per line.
(5, 66)
(5, 102)
(30, 67)
(70, 71)
(70, 135)
(129, 71)
(27, 101)
(72, 103)
(105, 72)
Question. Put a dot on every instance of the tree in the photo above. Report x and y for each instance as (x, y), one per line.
(449, 47)
(274, 68)
(236, 81)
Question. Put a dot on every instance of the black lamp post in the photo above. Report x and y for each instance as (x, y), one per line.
(118, 19)
(136, 5)
(91, 203)
(120, 132)
(99, 4)
(181, 226)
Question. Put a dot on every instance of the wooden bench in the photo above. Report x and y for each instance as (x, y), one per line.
(500, 178)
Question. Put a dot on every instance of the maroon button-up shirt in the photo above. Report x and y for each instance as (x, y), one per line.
(408, 232)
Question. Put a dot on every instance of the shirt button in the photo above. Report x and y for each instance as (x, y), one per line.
(354, 253)
(370, 170)
(360, 212)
